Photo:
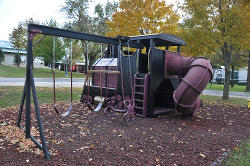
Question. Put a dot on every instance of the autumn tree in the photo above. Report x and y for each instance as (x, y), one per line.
(214, 27)
(1, 56)
(17, 38)
(78, 20)
(248, 73)
(44, 48)
(140, 17)
(245, 43)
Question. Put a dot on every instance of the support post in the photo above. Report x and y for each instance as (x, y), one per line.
(28, 81)
(39, 121)
(178, 49)
(21, 106)
(30, 85)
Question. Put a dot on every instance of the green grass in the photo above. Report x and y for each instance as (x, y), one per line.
(11, 96)
(15, 72)
(239, 156)
(236, 88)
(218, 99)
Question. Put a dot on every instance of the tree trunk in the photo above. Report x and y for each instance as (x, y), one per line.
(227, 83)
(248, 73)
(232, 77)
(227, 61)
(18, 58)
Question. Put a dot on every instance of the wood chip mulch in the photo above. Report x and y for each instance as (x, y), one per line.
(90, 138)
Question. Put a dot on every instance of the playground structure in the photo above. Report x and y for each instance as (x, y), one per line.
(133, 82)
(162, 81)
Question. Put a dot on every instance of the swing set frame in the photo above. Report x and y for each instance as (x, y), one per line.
(33, 30)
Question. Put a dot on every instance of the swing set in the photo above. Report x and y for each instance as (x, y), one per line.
(54, 82)
(33, 30)
(149, 84)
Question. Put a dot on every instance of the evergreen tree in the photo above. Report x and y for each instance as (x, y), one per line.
(1, 56)
(17, 59)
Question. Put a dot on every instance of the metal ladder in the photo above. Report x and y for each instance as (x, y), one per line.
(141, 93)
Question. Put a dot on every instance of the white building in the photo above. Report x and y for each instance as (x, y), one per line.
(10, 52)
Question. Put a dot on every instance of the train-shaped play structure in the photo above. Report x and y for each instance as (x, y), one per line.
(156, 82)
(136, 75)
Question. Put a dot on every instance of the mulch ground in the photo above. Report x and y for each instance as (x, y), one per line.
(90, 138)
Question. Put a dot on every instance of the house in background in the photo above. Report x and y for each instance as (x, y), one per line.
(9, 53)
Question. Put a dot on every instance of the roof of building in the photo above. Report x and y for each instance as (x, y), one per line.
(161, 39)
(7, 47)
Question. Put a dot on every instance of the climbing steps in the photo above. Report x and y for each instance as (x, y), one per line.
(140, 93)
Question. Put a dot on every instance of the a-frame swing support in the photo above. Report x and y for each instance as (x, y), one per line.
(29, 86)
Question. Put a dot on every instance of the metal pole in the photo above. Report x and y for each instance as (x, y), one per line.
(28, 84)
(66, 73)
(71, 71)
(21, 105)
(87, 52)
(53, 70)
(39, 120)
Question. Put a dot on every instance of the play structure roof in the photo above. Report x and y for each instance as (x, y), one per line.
(161, 39)
(106, 62)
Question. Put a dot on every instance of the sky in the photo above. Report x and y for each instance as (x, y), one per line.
(14, 11)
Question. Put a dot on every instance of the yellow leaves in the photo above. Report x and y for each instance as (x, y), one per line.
(202, 155)
(54, 141)
(236, 148)
(15, 135)
(91, 146)
(140, 17)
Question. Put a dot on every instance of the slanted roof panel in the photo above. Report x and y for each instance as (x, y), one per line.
(161, 39)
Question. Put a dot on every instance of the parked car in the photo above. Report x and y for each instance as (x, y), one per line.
(219, 79)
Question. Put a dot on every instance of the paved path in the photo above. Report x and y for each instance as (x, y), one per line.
(244, 95)
(78, 82)
(43, 82)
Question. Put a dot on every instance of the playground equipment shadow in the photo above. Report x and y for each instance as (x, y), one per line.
(90, 138)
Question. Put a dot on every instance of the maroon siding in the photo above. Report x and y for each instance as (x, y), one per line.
(97, 77)
(112, 77)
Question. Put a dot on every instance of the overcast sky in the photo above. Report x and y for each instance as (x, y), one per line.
(14, 11)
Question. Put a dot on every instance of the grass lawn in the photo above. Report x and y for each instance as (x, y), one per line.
(11, 96)
(239, 156)
(14, 72)
(236, 88)
(218, 99)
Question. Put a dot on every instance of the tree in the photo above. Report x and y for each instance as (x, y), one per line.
(44, 48)
(79, 20)
(140, 17)
(248, 73)
(18, 37)
(104, 14)
(18, 41)
(215, 26)
(17, 60)
(1, 56)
